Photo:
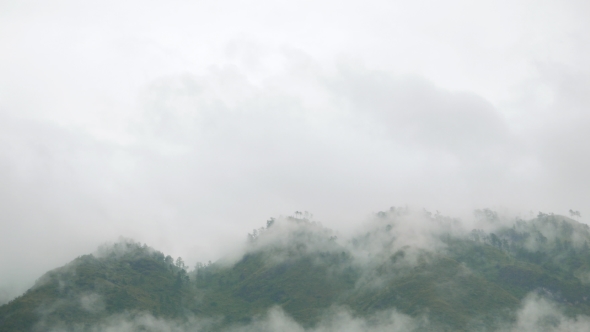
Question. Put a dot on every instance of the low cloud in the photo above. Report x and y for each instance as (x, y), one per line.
(537, 313)
(274, 320)
(92, 303)
(540, 314)
(135, 120)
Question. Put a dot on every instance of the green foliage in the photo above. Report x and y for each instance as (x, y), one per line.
(471, 281)
(301, 286)
(129, 277)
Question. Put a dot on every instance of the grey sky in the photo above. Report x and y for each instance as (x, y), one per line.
(185, 124)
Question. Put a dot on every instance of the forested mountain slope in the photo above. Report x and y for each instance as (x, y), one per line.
(438, 272)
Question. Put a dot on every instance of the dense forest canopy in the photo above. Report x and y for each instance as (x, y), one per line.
(405, 270)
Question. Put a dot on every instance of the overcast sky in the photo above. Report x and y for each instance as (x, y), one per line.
(186, 124)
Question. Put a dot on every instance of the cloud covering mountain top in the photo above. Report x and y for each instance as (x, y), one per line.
(184, 124)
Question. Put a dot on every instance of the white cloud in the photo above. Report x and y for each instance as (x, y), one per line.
(186, 124)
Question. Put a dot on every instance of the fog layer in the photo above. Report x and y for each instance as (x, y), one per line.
(184, 125)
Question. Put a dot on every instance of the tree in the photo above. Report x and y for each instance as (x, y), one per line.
(486, 214)
(270, 222)
(575, 213)
(169, 260)
(495, 240)
(199, 266)
(252, 237)
(180, 263)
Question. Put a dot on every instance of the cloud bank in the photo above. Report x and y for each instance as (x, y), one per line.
(536, 314)
(184, 125)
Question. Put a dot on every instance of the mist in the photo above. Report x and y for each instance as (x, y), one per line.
(535, 314)
(404, 269)
(186, 125)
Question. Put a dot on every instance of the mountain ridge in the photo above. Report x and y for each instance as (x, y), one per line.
(451, 278)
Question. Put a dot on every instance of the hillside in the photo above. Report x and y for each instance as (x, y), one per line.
(441, 275)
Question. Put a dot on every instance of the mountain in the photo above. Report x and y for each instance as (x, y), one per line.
(429, 269)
